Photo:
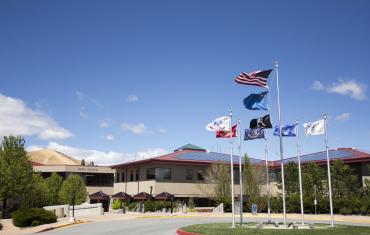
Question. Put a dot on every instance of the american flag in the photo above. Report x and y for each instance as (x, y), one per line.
(258, 78)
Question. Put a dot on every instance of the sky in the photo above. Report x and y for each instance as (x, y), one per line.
(111, 81)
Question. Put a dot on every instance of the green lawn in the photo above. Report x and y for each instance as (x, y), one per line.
(222, 229)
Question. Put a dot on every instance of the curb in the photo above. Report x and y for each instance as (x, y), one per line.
(60, 226)
(182, 232)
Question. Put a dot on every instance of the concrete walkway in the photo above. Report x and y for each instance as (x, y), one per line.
(10, 229)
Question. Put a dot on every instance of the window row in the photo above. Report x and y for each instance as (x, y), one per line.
(158, 173)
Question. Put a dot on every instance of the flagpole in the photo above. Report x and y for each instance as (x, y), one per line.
(232, 172)
(281, 143)
(299, 172)
(328, 166)
(240, 174)
(267, 182)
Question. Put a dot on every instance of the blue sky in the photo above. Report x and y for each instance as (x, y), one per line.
(111, 80)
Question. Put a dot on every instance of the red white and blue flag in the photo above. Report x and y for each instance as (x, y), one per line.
(257, 78)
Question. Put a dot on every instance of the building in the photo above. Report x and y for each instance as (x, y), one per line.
(96, 178)
(181, 172)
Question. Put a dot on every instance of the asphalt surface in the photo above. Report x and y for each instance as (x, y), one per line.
(145, 226)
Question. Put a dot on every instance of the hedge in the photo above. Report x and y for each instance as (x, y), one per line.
(32, 217)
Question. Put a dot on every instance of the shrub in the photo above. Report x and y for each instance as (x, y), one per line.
(345, 211)
(35, 223)
(191, 203)
(117, 204)
(132, 206)
(25, 217)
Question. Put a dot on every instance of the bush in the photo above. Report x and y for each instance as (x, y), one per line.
(132, 206)
(345, 211)
(117, 204)
(35, 223)
(25, 217)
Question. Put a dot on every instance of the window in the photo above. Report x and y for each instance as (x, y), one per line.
(123, 177)
(200, 175)
(158, 173)
(137, 174)
(117, 177)
(189, 174)
(131, 176)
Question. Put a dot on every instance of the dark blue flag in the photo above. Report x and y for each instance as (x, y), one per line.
(287, 130)
(256, 101)
(252, 134)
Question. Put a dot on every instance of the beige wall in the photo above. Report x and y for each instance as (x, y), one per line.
(106, 190)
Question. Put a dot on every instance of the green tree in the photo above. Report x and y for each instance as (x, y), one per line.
(253, 178)
(16, 173)
(38, 195)
(74, 185)
(54, 183)
(313, 176)
(344, 182)
(290, 177)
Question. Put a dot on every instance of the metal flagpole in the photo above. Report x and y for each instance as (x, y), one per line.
(240, 174)
(299, 172)
(267, 182)
(232, 171)
(328, 166)
(281, 143)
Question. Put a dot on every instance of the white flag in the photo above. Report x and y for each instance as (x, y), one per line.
(314, 128)
(220, 124)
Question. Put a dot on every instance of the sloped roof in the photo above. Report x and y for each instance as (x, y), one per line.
(51, 157)
(345, 154)
(190, 147)
(99, 196)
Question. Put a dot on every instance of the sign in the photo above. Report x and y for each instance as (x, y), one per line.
(254, 209)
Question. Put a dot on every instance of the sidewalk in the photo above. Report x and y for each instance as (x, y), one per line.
(10, 229)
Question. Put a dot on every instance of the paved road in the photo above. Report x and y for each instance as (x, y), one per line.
(155, 226)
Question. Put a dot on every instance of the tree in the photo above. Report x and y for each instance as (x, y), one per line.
(218, 175)
(253, 178)
(16, 173)
(38, 195)
(73, 186)
(54, 183)
(313, 176)
(291, 178)
(344, 183)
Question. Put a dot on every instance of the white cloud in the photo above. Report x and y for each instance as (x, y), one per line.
(104, 124)
(352, 88)
(100, 157)
(109, 137)
(18, 119)
(342, 117)
(132, 98)
(317, 85)
(134, 128)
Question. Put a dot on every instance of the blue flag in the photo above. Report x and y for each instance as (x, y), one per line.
(287, 130)
(256, 101)
(252, 134)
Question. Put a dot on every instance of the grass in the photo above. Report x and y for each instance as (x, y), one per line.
(223, 228)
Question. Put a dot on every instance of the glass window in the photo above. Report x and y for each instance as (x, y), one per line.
(163, 173)
(200, 175)
(189, 174)
(131, 176)
(137, 172)
(123, 177)
(117, 177)
(158, 173)
(150, 173)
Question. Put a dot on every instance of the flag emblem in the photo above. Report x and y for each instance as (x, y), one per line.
(314, 128)
(227, 134)
(219, 124)
(252, 134)
(256, 101)
(263, 122)
(257, 78)
(287, 130)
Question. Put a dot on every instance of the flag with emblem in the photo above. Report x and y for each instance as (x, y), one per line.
(220, 124)
(262, 122)
(286, 130)
(256, 101)
(252, 134)
(314, 128)
(227, 134)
